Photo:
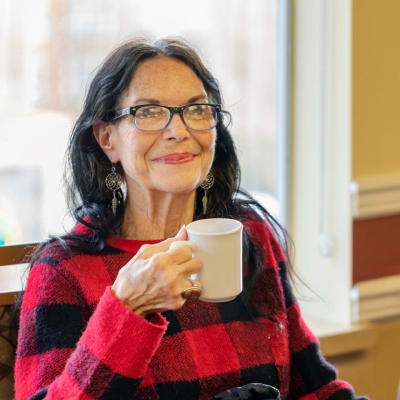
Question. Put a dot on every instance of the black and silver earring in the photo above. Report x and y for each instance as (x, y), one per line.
(113, 182)
(206, 185)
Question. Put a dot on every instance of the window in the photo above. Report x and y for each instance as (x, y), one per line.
(49, 52)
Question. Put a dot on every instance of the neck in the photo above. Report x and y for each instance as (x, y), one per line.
(157, 215)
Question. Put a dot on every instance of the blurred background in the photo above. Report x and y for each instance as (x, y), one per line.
(313, 87)
(49, 50)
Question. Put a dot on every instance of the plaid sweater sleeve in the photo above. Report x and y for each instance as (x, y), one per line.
(62, 353)
(312, 377)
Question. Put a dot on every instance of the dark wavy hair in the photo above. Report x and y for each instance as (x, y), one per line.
(87, 165)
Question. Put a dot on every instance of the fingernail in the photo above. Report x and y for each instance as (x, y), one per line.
(181, 230)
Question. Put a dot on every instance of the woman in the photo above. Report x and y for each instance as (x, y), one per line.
(107, 312)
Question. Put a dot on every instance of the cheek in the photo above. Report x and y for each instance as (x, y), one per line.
(133, 148)
(208, 141)
(208, 145)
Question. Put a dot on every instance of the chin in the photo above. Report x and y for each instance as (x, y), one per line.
(177, 187)
(179, 190)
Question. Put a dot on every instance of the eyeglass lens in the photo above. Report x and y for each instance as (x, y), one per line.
(196, 116)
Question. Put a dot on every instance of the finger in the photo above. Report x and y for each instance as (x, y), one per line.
(150, 249)
(180, 254)
(190, 267)
(178, 243)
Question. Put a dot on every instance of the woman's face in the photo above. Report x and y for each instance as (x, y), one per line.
(176, 159)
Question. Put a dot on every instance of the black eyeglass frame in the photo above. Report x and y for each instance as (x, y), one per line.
(114, 115)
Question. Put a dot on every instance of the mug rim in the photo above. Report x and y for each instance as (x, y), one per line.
(233, 230)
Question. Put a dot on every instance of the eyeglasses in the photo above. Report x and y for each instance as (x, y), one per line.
(153, 117)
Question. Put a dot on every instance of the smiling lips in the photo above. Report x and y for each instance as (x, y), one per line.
(175, 158)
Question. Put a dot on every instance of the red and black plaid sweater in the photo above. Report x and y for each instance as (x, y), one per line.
(78, 341)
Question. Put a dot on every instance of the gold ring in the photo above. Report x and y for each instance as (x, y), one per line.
(194, 292)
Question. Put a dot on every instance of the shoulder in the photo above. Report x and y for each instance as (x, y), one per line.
(275, 272)
(49, 282)
(53, 266)
(53, 253)
(265, 237)
(79, 242)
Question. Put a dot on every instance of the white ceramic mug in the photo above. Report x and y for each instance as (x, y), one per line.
(218, 244)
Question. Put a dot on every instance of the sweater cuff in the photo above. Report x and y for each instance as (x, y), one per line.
(121, 339)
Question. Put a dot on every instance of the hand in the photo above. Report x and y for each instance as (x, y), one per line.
(154, 279)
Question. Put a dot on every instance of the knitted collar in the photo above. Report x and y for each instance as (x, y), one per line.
(130, 246)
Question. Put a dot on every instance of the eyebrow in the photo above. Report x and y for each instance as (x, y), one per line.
(155, 101)
(195, 98)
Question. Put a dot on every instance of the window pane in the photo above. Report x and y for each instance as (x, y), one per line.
(48, 54)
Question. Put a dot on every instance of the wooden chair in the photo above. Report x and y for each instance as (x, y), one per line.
(13, 263)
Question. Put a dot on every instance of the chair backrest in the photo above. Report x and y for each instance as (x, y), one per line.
(13, 262)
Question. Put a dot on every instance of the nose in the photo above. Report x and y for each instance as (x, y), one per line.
(176, 129)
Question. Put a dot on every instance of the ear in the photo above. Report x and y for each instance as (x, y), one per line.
(104, 135)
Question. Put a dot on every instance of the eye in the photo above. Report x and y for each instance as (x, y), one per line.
(150, 112)
(199, 111)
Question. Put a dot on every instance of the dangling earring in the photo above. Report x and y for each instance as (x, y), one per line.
(207, 184)
(113, 182)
